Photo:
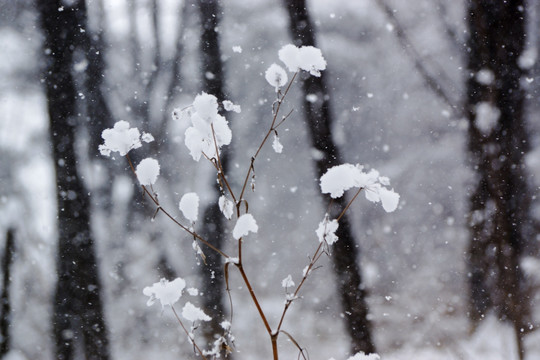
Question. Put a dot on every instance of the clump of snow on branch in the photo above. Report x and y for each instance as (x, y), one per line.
(167, 292)
(287, 282)
(193, 291)
(192, 313)
(339, 179)
(207, 125)
(327, 230)
(147, 171)
(276, 76)
(226, 325)
(226, 206)
(147, 137)
(343, 177)
(121, 138)
(244, 225)
(230, 106)
(276, 145)
(306, 58)
(189, 205)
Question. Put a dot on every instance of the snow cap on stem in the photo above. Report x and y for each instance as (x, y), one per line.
(167, 292)
(189, 205)
(306, 58)
(207, 125)
(343, 177)
(244, 225)
(147, 171)
(121, 138)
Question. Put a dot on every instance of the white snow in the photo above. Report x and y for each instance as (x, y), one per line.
(226, 206)
(199, 138)
(226, 325)
(343, 177)
(189, 205)
(339, 179)
(147, 171)
(244, 225)
(276, 76)
(193, 291)
(192, 313)
(362, 356)
(487, 116)
(327, 230)
(230, 106)
(287, 282)
(237, 49)
(167, 292)
(389, 199)
(206, 105)
(306, 58)
(147, 137)
(288, 54)
(232, 260)
(276, 145)
(121, 138)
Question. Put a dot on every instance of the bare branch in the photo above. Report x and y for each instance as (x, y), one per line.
(418, 62)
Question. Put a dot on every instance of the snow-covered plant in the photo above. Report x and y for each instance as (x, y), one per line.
(207, 133)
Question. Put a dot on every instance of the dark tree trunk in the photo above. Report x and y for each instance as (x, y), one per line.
(214, 221)
(345, 254)
(78, 314)
(5, 319)
(500, 222)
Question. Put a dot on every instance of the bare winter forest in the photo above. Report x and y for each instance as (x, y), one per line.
(184, 179)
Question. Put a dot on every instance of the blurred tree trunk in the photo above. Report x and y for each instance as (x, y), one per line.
(500, 221)
(78, 313)
(214, 221)
(345, 254)
(5, 317)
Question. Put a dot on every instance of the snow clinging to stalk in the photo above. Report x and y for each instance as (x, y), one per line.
(244, 225)
(121, 138)
(341, 178)
(193, 313)
(207, 124)
(327, 230)
(147, 171)
(189, 205)
(276, 76)
(167, 292)
(307, 58)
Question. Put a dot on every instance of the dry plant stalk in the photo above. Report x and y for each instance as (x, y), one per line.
(211, 132)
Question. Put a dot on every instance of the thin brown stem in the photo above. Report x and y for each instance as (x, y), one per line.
(272, 128)
(349, 204)
(188, 334)
(314, 259)
(283, 119)
(160, 208)
(221, 172)
(316, 256)
(274, 346)
(254, 297)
